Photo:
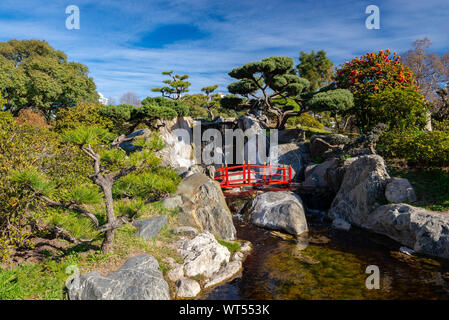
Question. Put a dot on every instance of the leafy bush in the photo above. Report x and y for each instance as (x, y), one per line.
(398, 108)
(305, 120)
(83, 114)
(369, 75)
(177, 106)
(27, 153)
(427, 148)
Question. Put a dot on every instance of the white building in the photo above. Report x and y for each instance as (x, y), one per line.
(102, 99)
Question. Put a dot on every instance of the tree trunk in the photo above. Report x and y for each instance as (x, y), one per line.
(108, 241)
(211, 113)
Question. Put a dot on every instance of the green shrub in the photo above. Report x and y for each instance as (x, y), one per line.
(83, 114)
(426, 148)
(305, 120)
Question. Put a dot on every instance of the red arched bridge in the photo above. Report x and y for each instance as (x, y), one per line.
(250, 175)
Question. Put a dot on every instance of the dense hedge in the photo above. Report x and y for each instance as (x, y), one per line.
(424, 148)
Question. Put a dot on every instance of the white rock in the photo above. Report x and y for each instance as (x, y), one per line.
(238, 256)
(176, 273)
(231, 269)
(203, 255)
(246, 247)
(187, 288)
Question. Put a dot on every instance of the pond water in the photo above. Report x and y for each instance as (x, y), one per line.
(331, 265)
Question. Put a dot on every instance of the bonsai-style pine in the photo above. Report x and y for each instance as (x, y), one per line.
(111, 168)
(209, 103)
(175, 86)
(271, 84)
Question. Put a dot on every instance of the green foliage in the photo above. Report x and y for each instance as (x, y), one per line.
(83, 114)
(400, 109)
(176, 86)
(19, 147)
(336, 101)
(86, 135)
(275, 78)
(231, 246)
(147, 183)
(32, 178)
(128, 208)
(316, 68)
(178, 107)
(305, 120)
(33, 74)
(85, 193)
(426, 148)
(369, 75)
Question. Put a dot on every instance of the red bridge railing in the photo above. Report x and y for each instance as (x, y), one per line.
(252, 175)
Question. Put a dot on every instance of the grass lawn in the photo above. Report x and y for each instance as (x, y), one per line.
(46, 280)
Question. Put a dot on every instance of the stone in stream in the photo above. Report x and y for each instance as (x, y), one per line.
(227, 272)
(282, 210)
(203, 255)
(423, 231)
(138, 279)
(149, 228)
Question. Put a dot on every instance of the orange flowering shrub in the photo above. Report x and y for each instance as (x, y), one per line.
(371, 74)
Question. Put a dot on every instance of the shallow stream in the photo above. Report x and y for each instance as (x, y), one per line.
(331, 266)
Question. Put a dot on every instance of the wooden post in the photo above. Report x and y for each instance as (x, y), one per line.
(284, 173)
(249, 172)
(289, 174)
(264, 173)
(244, 172)
(226, 173)
(269, 172)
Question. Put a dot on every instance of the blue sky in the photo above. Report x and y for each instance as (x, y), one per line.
(128, 43)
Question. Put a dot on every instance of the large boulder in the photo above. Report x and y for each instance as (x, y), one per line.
(315, 173)
(362, 189)
(203, 255)
(334, 176)
(399, 190)
(149, 228)
(423, 231)
(283, 211)
(138, 279)
(323, 145)
(289, 154)
(204, 206)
